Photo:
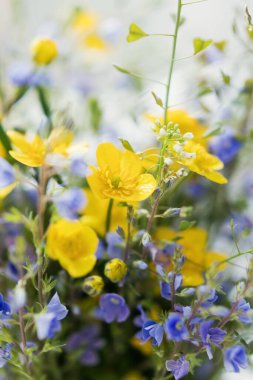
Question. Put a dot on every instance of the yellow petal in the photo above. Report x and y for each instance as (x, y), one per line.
(145, 187)
(192, 278)
(96, 183)
(7, 190)
(26, 159)
(59, 141)
(108, 157)
(215, 257)
(79, 267)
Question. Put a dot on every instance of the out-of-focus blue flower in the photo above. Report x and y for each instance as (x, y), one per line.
(22, 74)
(214, 54)
(243, 308)
(79, 167)
(100, 249)
(163, 256)
(140, 320)
(154, 331)
(175, 328)
(115, 245)
(89, 342)
(196, 188)
(70, 202)
(113, 307)
(211, 335)
(7, 176)
(5, 310)
(166, 288)
(5, 354)
(140, 264)
(234, 358)
(48, 323)
(225, 146)
(208, 295)
(179, 368)
(185, 311)
(241, 223)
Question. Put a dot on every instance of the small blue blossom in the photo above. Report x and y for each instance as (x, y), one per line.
(79, 167)
(179, 368)
(70, 203)
(209, 295)
(48, 323)
(243, 308)
(115, 245)
(234, 358)
(152, 330)
(113, 307)
(140, 320)
(175, 328)
(5, 310)
(140, 264)
(5, 354)
(7, 176)
(211, 335)
(166, 288)
(22, 74)
(225, 146)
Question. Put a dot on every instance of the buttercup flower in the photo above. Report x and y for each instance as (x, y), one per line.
(115, 270)
(234, 358)
(95, 213)
(93, 285)
(120, 176)
(74, 245)
(34, 152)
(44, 51)
(198, 260)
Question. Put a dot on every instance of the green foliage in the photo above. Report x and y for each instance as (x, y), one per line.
(126, 144)
(158, 100)
(199, 45)
(226, 78)
(96, 114)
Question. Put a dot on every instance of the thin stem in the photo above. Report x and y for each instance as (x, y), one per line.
(108, 216)
(23, 337)
(128, 239)
(194, 2)
(40, 208)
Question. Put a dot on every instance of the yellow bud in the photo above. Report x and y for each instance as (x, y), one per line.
(115, 270)
(44, 51)
(93, 285)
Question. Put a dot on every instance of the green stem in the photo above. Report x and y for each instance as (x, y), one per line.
(108, 216)
(168, 87)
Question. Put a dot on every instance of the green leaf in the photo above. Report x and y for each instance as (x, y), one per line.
(126, 144)
(214, 132)
(135, 33)
(185, 224)
(95, 114)
(158, 100)
(200, 45)
(4, 139)
(122, 70)
(226, 78)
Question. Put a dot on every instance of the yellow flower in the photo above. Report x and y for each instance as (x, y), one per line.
(94, 41)
(186, 123)
(7, 190)
(93, 285)
(96, 210)
(120, 176)
(133, 375)
(74, 245)
(115, 270)
(149, 158)
(44, 51)
(33, 153)
(198, 259)
(2, 150)
(144, 348)
(204, 163)
(84, 20)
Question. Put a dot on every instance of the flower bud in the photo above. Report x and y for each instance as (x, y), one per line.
(115, 270)
(93, 285)
(44, 51)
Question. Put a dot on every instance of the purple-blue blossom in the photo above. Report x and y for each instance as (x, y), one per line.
(235, 358)
(5, 310)
(225, 146)
(179, 368)
(70, 202)
(5, 354)
(175, 281)
(113, 307)
(175, 328)
(154, 331)
(243, 309)
(115, 245)
(211, 335)
(7, 176)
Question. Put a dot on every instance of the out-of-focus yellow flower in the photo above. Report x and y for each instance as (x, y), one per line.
(115, 270)
(144, 348)
(186, 123)
(93, 285)
(7, 190)
(94, 41)
(204, 163)
(84, 20)
(120, 175)
(96, 210)
(74, 245)
(149, 158)
(133, 375)
(44, 51)
(33, 153)
(2, 150)
(198, 259)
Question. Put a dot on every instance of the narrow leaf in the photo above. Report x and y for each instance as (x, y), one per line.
(200, 45)
(135, 33)
(126, 144)
(226, 78)
(158, 100)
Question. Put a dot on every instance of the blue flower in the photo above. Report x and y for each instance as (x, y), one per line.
(113, 307)
(211, 335)
(179, 368)
(153, 330)
(5, 354)
(208, 295)
(89, 342)
(5, 310)
(7, 176)
(234, 358)
(140, 320)
(48, 323)
(166, 288)
(243, 308)
(70, 202)
(175, 328)
(115, 245)
(79, 167)
(22, 74)
(225, 146)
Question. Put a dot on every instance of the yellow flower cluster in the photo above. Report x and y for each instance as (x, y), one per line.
(74, 245)
(44, 51)
(115, 270)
